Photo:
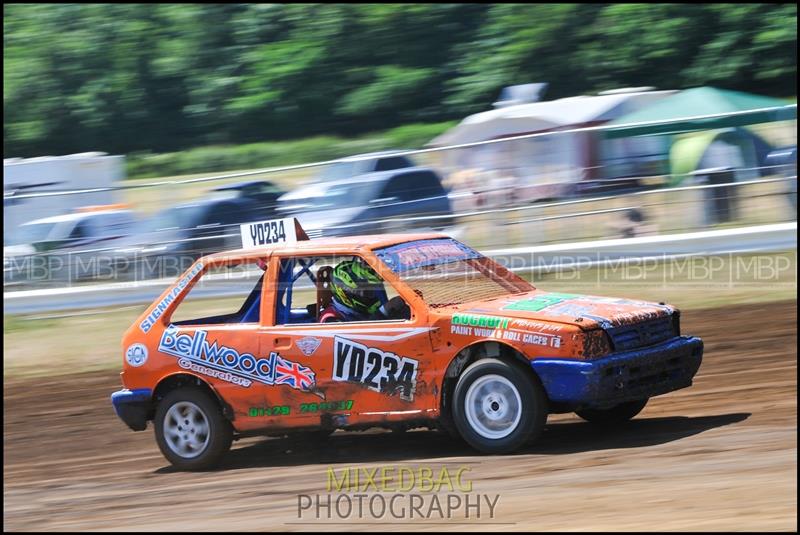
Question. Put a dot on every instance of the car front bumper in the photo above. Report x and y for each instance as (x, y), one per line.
(133, 406)
(619, 377)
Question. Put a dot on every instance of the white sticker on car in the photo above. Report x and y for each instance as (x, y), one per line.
(378, 370)
(136, 355)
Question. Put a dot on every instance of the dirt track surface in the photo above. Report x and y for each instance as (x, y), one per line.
(720, 455)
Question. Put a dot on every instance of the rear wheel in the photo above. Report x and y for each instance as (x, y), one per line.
(191, 431)
(615, 415)
(498, 407)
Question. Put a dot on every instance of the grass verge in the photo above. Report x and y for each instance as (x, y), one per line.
(277, 153)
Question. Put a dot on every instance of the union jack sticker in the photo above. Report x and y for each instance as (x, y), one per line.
(293, 374)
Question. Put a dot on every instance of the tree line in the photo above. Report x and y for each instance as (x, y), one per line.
(164, 77)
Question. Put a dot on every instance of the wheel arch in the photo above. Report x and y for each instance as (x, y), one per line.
(467, 355)
(177, 380)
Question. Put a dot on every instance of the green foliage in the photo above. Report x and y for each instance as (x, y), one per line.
(166, 77)
(414, 136)
(276, 153)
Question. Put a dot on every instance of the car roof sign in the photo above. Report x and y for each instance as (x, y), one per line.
(261, 233)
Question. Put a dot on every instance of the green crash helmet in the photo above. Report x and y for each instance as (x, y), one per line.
(357, 288)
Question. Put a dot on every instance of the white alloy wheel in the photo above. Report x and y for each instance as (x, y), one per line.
(493, 406)
(186, 429)
(498, 406)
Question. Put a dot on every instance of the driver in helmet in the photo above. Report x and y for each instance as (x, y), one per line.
(358, 295)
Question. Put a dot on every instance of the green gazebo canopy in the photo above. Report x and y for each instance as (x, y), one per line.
(675, 112)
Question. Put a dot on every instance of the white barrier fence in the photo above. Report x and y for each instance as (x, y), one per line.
(232, 231)
(536, 259)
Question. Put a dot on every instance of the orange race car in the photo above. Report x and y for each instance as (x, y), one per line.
(397, 331)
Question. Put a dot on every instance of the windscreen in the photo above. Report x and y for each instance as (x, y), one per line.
(446, 272)
(32, 233)
(339, 171)
(179, 217)
(339, 195)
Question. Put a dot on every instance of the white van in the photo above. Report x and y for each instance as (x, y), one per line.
(72, 243)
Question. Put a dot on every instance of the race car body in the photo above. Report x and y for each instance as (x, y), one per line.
(463, 345)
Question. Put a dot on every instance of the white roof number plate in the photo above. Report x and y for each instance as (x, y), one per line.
(268, 232)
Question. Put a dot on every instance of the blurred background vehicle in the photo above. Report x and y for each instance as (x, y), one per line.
(165, 244)
(87, 226)
(382, 201)
(263, 192)
(46, 176)
(359, 164)
(65, 244)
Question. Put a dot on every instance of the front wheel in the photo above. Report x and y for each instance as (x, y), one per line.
(615, 415)
(191, 431)
(498, 407)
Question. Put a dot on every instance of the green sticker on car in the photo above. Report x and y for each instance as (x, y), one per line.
(539, 302)
(473, 320)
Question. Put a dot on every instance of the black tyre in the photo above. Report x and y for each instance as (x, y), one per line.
(498, 406)
(445, 424)
(615, 415)
(191, 431)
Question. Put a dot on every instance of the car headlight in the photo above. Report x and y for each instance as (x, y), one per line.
(595, 344)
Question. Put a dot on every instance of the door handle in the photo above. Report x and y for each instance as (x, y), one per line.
(282, 342)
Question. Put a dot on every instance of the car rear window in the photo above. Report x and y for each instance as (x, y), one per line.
(396, 162)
